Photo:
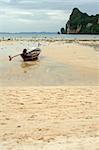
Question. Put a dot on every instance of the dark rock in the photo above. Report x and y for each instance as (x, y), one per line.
(63, 31)
(58, 32)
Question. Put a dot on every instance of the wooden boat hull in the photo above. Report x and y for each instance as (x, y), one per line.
(30, 56)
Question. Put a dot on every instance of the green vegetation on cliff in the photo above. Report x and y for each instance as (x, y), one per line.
(81, 23)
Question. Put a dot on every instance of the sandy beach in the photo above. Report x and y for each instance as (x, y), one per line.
(49, 118)
(50, 104)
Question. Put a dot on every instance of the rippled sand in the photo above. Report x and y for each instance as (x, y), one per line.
(51, 118)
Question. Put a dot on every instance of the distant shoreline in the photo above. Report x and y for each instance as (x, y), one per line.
(47, 33)
(28, 32)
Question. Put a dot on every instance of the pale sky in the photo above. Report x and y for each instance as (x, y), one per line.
(40, 15)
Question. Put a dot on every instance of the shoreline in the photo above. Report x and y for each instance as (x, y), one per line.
(48, 39)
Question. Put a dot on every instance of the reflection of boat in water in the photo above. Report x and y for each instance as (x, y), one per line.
(32, 55)
(29, 64)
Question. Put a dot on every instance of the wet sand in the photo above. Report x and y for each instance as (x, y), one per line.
(60, 63)
(39, 109)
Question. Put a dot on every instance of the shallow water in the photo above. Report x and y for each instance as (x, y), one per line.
(46, 36)
(46, 71)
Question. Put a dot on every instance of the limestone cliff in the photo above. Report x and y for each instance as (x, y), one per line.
(81, 23)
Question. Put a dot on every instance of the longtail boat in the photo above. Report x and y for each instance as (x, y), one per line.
(32, 55)
(28, 56)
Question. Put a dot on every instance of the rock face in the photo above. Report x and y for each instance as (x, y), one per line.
(81, 23)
